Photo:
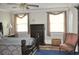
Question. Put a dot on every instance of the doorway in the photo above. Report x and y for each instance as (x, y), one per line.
(1, 28)
(37, 30)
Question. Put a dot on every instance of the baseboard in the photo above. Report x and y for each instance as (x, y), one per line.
(46, 44)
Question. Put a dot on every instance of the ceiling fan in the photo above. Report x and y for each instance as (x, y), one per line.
(26, 5)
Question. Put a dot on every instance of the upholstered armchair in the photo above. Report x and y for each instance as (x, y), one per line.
(70, 43)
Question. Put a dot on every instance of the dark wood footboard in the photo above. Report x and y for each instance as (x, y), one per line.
(27, 49)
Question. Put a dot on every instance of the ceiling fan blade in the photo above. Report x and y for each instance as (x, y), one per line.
(33, 5)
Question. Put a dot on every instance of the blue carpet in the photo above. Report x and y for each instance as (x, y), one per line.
(53, 52)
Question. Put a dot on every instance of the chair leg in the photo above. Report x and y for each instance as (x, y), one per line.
(74, 52)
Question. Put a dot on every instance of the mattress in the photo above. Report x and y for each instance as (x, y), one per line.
(16, 40)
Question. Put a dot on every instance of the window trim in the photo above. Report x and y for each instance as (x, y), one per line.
(48, 22)
(16, 15)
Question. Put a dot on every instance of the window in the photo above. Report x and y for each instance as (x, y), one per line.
(57, 22)
(22, 24)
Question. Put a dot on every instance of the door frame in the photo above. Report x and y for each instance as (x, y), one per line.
(43, 30)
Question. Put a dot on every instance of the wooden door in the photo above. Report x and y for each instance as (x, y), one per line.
(37, 31)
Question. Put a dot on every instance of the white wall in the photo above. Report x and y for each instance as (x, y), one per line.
(5, 18)
(72, 19)
(40, 17)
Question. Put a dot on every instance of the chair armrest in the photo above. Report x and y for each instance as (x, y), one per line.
(70, 45)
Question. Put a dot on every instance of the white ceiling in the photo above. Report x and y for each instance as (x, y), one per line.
(15, 6)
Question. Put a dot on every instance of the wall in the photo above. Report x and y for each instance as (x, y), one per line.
(40, 17)
(72, 20)
(5, 18)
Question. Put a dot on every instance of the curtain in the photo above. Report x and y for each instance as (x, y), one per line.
(15, 32)
(20, 16)
(48, 20)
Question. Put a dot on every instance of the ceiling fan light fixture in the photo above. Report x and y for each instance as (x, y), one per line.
(26, 6)
(22, 6)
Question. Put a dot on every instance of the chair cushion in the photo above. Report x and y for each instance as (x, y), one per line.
(66, 47)
(71, 38)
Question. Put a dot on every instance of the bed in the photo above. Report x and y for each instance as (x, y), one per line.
(12, 45)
